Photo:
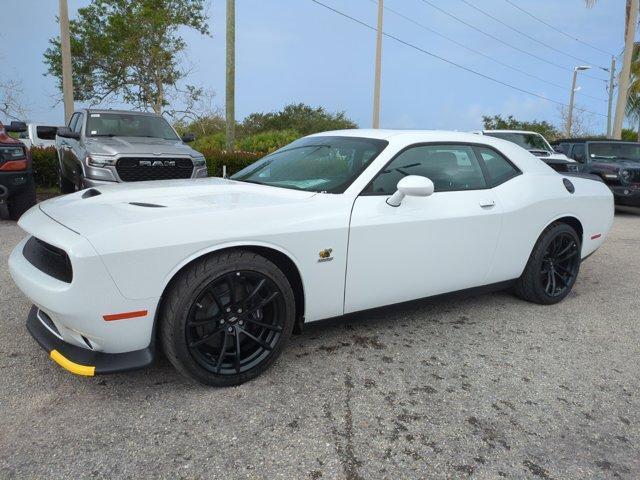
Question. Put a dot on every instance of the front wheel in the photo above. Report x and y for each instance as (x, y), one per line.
(227, 317)
(553, 266)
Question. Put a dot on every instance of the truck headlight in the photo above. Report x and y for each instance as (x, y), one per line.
(100, 160)
(199, 161)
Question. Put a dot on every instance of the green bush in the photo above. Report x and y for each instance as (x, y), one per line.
(235, 161)
(267, 141)
(217, 141)
(45, 166)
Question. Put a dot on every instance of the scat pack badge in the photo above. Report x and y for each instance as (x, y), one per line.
(325, 255)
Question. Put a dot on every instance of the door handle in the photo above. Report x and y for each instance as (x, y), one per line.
(488, 203)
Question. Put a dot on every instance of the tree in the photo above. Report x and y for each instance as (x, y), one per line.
(11, 96)
(633, 102)
(497, 122)
(128, 50)
(300, 117)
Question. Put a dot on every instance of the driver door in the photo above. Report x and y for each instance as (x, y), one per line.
(428, 245)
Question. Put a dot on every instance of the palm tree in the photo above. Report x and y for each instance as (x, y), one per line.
(633, 101)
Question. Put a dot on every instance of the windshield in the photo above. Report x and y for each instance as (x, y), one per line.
(129, 125)
(314, 164)
(530, 141)
(614, 151)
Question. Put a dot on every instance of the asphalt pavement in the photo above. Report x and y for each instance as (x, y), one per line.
(482, 387)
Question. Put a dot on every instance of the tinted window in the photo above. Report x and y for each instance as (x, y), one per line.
(450, 167)
(612, 151)
(499, 168)
(577, 152)
(46, 133)
(529, 141)
(316, 164)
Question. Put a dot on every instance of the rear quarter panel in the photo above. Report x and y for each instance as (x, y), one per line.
(531, 202)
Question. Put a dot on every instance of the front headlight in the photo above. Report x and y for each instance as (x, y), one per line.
(100, 160)
(199, 161)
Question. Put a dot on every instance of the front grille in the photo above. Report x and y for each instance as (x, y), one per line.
(633, 175)
(48, 259)
(140, 169)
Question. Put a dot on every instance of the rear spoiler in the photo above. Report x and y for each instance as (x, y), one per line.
(588, 176)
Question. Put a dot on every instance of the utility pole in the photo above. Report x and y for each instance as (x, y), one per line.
(231, 74)
(612, 77)
(376, 87)
(67, 73)
(571, 97)
(625, 74)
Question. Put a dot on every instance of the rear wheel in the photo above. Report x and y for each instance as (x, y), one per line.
(227, 317)
(553, 266)
(23, 201)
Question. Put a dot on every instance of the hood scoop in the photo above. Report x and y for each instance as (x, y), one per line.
(147, 205)
(92, 192)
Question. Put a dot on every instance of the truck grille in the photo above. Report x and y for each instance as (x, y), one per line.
(48, 259)
(140, 169)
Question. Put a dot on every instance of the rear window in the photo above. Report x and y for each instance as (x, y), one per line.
(44, 132)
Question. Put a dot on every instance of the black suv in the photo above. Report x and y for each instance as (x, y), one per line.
(616, 162)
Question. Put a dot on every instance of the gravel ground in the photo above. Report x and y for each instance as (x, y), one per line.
(482, 387)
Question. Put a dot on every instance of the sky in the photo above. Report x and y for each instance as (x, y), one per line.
(290, 51)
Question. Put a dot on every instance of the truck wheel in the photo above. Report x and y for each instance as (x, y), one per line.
(553, 266)
(20, 203)
(227, 317)
(66, 186)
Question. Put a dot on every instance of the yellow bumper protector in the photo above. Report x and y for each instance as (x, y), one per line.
(85, 370)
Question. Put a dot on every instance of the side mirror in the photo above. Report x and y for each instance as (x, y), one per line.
(412, 186)
(188, 137)
(16, 127)
(66, 132)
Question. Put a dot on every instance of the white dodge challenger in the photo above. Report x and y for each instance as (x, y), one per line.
(218, 272)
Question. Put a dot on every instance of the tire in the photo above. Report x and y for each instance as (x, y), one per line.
(553, 266)
(221, 309)
(23, 201)
(66, 185)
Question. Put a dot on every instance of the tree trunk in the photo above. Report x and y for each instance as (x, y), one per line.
(623, 88)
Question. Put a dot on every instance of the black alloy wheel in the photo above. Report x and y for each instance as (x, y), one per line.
(553, 266)
(235, 323)
(226, 317)
(560, 265)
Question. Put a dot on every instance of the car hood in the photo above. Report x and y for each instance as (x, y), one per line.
(137, 146)
(98, 210)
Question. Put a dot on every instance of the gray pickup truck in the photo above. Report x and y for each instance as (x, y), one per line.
(101, 147)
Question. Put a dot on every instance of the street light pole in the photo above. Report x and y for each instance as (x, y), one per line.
(230, 107)
(376, 86)
(67, 74)
(612, 76)
(571, 97)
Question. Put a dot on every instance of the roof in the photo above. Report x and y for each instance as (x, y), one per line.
(413, 135)
(109, 110)
(589, 139)
(528, 132)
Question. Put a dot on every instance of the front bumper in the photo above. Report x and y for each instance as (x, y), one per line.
(83, 361)
(15, 182)
(626, 195)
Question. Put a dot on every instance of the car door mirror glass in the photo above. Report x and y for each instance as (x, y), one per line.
(412, 186)
(66, 132)
(188, 137)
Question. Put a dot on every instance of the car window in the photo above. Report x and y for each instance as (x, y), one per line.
(498, 167)
(45, 132)
(78, 126)
(449, 167)
(73, 120)
(577, 153)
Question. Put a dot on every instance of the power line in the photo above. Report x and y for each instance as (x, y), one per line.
(556, 28)
(477, 52)
(530, 37)
(462, 67)
(562, 67)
